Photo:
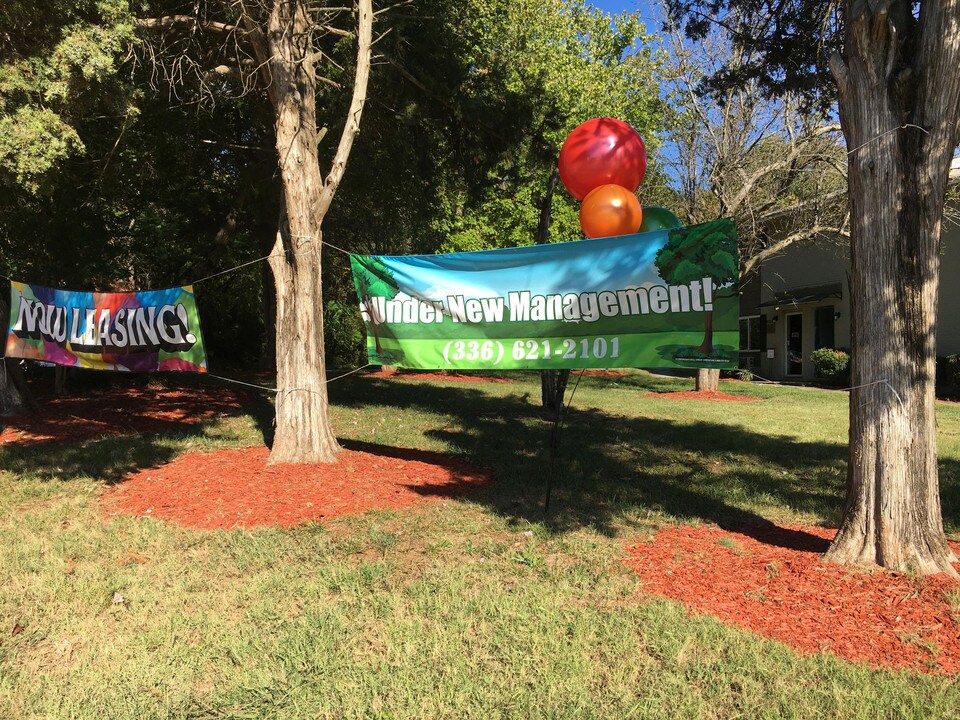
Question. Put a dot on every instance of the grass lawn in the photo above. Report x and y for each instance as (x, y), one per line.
(475, 608)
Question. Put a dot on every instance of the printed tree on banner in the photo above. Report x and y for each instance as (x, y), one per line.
(373, 279)
(696, 253)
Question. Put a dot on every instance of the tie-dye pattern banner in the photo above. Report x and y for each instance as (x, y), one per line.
(132, 331)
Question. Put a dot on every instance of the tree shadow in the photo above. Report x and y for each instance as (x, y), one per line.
(112, 429)
(110, 459)
(612, 469)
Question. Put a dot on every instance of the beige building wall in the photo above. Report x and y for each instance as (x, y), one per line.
(948, 316)
(813, 266)
(791, 315)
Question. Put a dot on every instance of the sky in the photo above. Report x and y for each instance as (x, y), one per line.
(647, 8)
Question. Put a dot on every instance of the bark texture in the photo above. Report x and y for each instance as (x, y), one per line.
(284, 47)
(708, 380)
(15, 395)
(899, 83)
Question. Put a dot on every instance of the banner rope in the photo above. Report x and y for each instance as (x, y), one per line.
(290, 390)
(884, 381)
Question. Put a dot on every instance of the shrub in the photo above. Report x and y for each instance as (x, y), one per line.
(343, 335)
(830, 363)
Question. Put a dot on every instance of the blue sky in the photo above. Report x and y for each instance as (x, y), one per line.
(647, 8)
(616, 6)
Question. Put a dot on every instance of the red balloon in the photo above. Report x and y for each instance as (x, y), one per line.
(602, 151)
(610, 210)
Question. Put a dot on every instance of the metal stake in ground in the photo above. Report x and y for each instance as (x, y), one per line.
(560, 411)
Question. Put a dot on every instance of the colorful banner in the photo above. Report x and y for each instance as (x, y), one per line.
(666, 298)
(134, 331)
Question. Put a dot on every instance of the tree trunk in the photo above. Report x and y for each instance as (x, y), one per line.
(553, 386)
(60, 380)
(901, 131)
(285, 51)
(15, 396)
(303, 432)
(708, 380)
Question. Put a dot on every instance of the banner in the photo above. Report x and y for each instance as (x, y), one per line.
(135, 331)
(666, 298)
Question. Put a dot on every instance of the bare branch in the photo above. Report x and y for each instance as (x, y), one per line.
(393, 7)
(352, 126)
(805, 234)
(183, 22)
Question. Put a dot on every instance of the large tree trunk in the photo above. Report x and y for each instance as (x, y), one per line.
(900, 125)
(708, 380)
(303, 431)
(15, 396)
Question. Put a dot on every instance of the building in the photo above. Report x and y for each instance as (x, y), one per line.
(799, 302)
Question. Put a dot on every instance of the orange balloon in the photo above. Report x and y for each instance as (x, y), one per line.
(610, 210)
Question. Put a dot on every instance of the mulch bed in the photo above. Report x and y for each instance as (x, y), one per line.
(770, 580)
(706, 395)
(237, 489)
(117, 411)
(766, 579)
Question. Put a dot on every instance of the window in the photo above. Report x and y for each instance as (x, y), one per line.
(753, 339)
(753, 333)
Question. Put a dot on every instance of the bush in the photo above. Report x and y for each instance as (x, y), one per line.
(830, 363)
(343, 335)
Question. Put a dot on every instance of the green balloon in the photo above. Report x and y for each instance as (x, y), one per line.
(658, 218)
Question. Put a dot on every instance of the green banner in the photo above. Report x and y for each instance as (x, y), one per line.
(666, 298)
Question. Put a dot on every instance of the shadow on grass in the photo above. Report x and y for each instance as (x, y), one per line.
(113, 429)
(611, 470)
(109, 459)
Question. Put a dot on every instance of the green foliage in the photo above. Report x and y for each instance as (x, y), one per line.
(150, 174)
(59, 64)
(469, 115)
(699, 251)
(830, 363)
(793, 52)
(33, 140)
(342, 335)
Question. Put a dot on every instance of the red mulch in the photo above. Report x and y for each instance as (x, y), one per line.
(236, 488)
(708, 395)
(770, 580)
(117, 411)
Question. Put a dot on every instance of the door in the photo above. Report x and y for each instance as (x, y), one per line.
(794, 352)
